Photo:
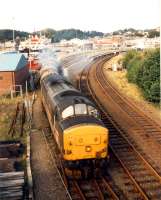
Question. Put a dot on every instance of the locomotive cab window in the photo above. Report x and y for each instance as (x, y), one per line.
(92, 111)
(80, 109)
(69, 111)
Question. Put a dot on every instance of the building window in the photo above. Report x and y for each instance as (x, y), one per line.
(1, 77)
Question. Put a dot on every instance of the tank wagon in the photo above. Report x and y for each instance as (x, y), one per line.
(80, 135)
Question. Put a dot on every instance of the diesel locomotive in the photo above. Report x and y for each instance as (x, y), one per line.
(81, 137)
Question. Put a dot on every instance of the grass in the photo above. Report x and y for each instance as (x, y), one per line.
(128, 89)
(7, 112)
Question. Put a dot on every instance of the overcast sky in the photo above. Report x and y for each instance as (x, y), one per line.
(100, 15)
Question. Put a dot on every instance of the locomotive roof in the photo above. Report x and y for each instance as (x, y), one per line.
(70, 97)
(62, 93)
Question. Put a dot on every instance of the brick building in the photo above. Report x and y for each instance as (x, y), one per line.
(13, 71)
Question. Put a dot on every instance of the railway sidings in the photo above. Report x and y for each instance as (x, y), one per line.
(125, 122)
(132, 172)
(79, 189)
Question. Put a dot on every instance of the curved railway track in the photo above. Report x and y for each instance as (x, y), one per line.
(145, 181)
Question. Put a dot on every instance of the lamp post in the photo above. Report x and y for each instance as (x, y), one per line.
(13, 34)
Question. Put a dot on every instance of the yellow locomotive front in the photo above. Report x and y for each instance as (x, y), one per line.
(85, 139)
(88, 141)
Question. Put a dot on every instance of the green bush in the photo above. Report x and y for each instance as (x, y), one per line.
(128, 57)
(133, 68)
(155, 92)
(148, 77)
(143, 69)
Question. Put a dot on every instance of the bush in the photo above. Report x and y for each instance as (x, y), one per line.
(155, 92)
(148, 77)
(128, 57)
(143, 69)
(133, 71)
(133, 68)
(153, 34)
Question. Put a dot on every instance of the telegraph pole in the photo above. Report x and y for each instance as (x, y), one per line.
(13, 34)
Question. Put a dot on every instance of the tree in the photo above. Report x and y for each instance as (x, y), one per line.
(143, 69)
(69, 34)
(153, 34)
(148, 77)
(7, 34)
(133, 68)
(128, 57)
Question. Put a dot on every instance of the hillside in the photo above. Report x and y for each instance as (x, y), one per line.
(67, 34)
(74, 33)
(7, 34)
(151, 33)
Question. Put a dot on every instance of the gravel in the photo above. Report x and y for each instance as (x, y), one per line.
(47, 183)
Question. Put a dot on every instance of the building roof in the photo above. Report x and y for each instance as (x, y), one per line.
(12, 62)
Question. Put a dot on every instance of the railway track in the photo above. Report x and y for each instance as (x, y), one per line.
(149, 126)
(144, 179)
(80, 189)
(137, 128)
(20, 115)
(140, 130)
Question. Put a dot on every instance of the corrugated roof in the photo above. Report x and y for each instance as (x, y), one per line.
(12, 62)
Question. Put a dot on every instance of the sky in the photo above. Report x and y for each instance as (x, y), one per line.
(99, 15)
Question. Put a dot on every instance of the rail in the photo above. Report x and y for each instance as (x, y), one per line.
(139, 171)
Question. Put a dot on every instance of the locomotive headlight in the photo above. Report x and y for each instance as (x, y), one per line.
(88, 148)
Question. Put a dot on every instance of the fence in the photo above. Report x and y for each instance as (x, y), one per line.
(12, 92)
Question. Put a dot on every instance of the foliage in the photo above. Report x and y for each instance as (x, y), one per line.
(143, 69)
(133, 68)
(139, 34)
(149, 76)
(153, 34)
(136, 33)
(7, 34)
(128, 57)
(56, 36)
(68, 34)
(47, 32)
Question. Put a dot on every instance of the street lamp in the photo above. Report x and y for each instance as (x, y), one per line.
(13, 34)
